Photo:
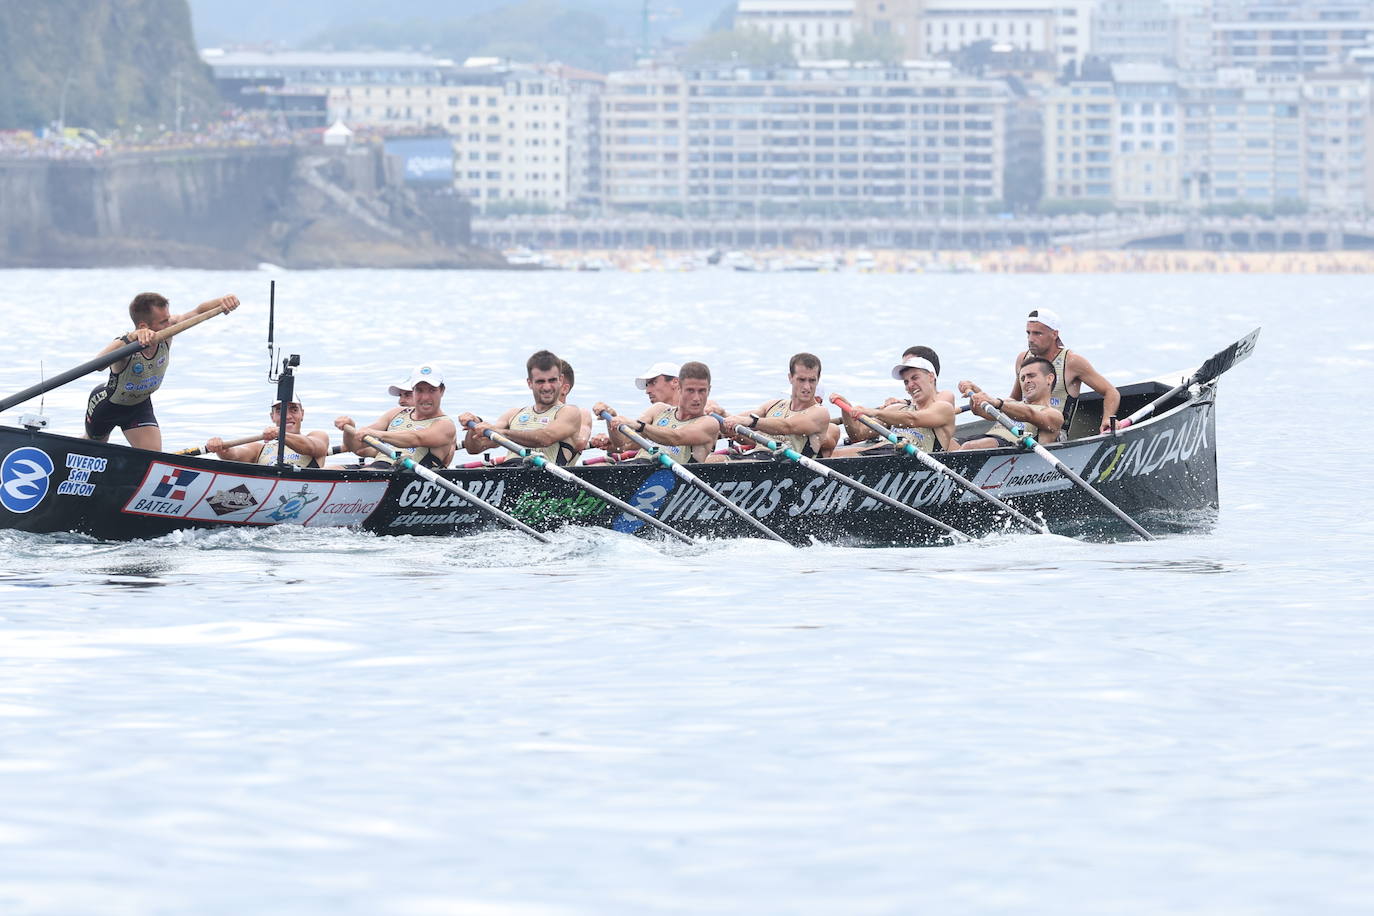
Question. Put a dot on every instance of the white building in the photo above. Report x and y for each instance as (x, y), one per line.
(812, 27)
(935, 28)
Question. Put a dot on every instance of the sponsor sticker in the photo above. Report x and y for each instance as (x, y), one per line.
(1027, 472)
(24, 478)
(171, 491)
(79, 471)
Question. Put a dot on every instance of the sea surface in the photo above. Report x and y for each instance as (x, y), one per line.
(321, 721)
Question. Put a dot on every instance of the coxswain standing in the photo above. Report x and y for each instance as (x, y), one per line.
(1035, 410)
(302, 450)
(1071, 370)
(683, 432)
(422, 433)
(126, 398)
(549, 426)
(796, 421)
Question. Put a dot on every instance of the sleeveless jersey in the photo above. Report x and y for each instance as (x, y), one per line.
(998, 431)
(810, 446)
(140, 377)
(268, 455)
(420, 454)
(923, 437)
(667, 418)
(560, 452)
(1060, 399)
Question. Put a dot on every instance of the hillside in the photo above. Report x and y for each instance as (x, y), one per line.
(117, 62)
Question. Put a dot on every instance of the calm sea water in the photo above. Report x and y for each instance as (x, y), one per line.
(323, 721)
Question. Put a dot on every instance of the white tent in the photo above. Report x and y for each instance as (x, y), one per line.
(338, 134)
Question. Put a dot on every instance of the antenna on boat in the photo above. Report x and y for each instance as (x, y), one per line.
(37, 420)
(285, 378)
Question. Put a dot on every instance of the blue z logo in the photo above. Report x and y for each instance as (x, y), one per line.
(647, 499)
(24, 479)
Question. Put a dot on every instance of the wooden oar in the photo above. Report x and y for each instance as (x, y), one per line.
(426, 474)
(564, 474)
(939, 466)
(202, 450)
(1209, 370)
(1028, 442)
(811, 464)
(104, 362)
(683, 474)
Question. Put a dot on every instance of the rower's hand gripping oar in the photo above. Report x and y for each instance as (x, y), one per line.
(203, 450)
(683, 474)
(564, 474)
(427, 474)
(1029, 443)
(777, 448)
(107, 360)
(1209, 370)
(938, 466)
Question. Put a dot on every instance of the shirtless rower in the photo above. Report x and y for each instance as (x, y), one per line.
(1072, 370)
(126, 398)
(302, 450)
(684, 432)
(422, 433)
(796, 421)
(1035, 411)
(549, 426)
(926, 420)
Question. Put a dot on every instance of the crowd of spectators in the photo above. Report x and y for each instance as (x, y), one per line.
(235, 128)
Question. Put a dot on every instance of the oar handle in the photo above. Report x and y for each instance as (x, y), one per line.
(204, 449)
(501, 440)
(761, 438)
(633, 436)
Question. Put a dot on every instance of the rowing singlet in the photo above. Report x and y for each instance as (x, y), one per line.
(810, 446)
(268, 455)
(923, 437)
(420, 454)
(140, 377)
(667, 419)
(562, 451)
(1060, 399)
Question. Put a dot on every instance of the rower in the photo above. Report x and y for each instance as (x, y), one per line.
(1071, 370)
(660, 382)
(1035, 410)
(858, 432)
(684, 432)
(796, 421)
(422, 433)
(302, 450)
(404, 392)
(584, 432)
(125, 399)
(548, 427)
(926, 421)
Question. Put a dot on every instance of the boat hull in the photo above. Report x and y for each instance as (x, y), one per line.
(1161, 472)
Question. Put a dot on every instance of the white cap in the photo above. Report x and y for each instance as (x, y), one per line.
(294, 400)
(1048, 317)
(669, 369)
(912, 362)
(404, 386)
(425, 372)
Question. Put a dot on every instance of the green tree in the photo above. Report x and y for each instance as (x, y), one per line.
(750, 48)
(865, 47)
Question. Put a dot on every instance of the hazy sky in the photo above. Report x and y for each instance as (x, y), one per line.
(219, 22)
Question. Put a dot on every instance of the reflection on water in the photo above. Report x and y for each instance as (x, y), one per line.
(323, 721)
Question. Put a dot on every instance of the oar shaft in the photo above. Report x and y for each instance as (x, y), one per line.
(204, 449)
(683, 474)
(829, 473)
(434, 478)
(1151, 407)
(567, 476)
(941, 467)
(104, 361)
(1053, 461)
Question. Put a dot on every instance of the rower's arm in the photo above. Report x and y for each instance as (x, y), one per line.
(244, 453)
(936, 415)
(314, 444)
(474, 442)
(229, 302)
(584, 431)
(563, 426)
(1016, 380)
(439, 434)
(1046, 419)
(1083, 370)
(809, 422)
(701, 431)
(619, 441)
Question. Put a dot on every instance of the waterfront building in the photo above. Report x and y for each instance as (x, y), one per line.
(811, 27)
(814, 138)
(1080, 126)
(1338, 122)
(940, 28)
(1293, 36)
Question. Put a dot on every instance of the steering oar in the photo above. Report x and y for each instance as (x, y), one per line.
(106, 360)
(564, 474)
(1028, 442)
(427, 474)
(683, 474)
(811, 464)
(939, 466)
(1209, 370)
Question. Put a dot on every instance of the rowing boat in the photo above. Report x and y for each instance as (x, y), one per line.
(1161, 471)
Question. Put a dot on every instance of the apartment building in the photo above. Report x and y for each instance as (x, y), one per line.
(808, 139)
(940, 28)
(1147, 141)
(1337, 116)
(1080, 128)
(1291, 36)
(811, 27)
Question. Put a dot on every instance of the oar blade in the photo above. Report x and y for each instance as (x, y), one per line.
(1227, 358)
